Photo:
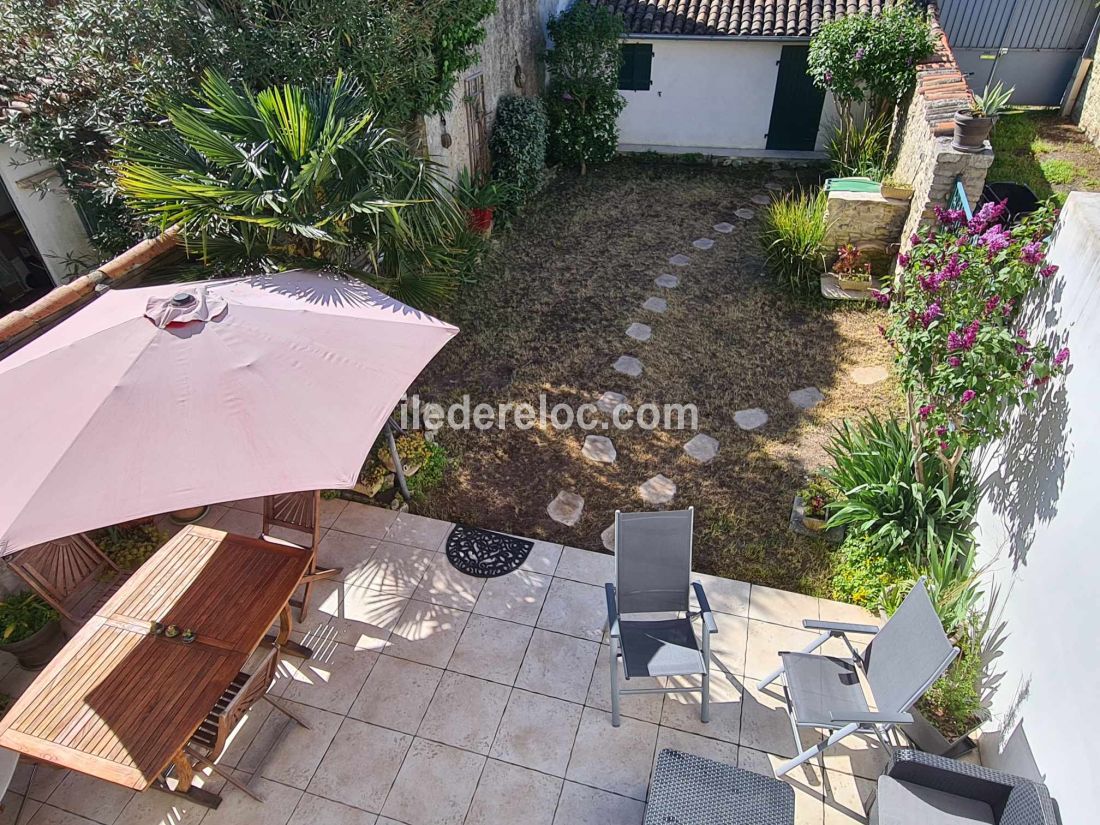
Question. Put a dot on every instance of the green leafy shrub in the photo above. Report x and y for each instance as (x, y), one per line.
(583, 100)
(22, 615)
(952, 581)
(518, 146)
(130, 546)
(793, 241)
(431, 471)
(874, 468)
(954, 704)
(863, 571)
(858, 147)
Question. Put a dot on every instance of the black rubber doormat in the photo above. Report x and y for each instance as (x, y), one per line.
(484, 553)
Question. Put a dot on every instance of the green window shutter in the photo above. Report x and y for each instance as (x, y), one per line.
(635, 74)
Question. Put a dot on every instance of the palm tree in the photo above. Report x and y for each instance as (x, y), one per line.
(294, 176)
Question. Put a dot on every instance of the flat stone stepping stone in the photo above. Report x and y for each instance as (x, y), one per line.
(806, 398)
(639, 332)
(628, 365)
(599, 448)
(750, 419)
(679, 260)
(869, 375)
(703, 243)
(655, 304)
(667, 281)
(702, 448)
(774, 185)
(608, 538)
(610, 401)
(658, 490)
(566, 508)
(745, 214)
(763, 200)
(723, 228)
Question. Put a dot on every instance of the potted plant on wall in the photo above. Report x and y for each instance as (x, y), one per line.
(973, 125)
(30, 630)
(895, 189)
(852, 272)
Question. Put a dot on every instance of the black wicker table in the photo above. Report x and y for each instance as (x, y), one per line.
(691, 790)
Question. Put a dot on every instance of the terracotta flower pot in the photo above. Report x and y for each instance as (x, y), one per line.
(36, 651)
(189, 515)
(971, 132)
(481, 219)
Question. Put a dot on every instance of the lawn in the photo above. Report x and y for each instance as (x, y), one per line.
(1049, 154)
(548, 314)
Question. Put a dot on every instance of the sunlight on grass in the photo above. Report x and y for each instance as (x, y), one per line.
(1060, 171)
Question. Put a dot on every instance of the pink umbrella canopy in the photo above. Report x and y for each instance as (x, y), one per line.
(162, 398)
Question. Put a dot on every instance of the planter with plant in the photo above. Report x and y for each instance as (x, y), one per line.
(814, 500)
(30, 630)
(129, 546)
(895, 189)
(852, 272)
(973, 125)
(480, 198)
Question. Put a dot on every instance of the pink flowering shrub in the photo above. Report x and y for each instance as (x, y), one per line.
(963, 357)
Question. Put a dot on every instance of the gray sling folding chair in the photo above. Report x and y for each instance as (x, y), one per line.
(899, 664)
(652, 576)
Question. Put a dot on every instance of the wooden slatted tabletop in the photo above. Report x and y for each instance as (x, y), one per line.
(120, 703)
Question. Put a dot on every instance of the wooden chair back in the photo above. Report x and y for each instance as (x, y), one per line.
(295, 511)
(63, 571)
(251, 692)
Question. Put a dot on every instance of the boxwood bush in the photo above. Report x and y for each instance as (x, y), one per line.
(518, 144)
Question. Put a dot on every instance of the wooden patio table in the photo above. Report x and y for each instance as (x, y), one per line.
(121, 703)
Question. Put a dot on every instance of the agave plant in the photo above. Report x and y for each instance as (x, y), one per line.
(296, 176)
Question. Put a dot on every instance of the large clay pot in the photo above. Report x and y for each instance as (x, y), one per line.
(36, 651)
(189, 515)
(481, 219)
(971, 132)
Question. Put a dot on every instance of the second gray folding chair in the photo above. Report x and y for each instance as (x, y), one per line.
(899, 664)
(653, 576)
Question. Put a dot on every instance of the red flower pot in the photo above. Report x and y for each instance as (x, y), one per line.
(481, 219)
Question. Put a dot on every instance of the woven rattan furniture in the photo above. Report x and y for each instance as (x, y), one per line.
(691, 790)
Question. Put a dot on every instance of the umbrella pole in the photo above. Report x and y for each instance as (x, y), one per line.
(399, 470)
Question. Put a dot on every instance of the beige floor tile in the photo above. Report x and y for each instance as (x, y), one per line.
(346, 551)
(43, 780)
(846, 798)
(678, 740)
(418, 531)
(543, 558)
(806, 781)
(364, 520)
(859, 755)
(314, 810)
(765, 725)
(249, 505)
(331, 508)
(681, 710)
(237, 808)
(767, 604)
(241, 522)
(450, 773)
(393, 569)
(537, 732)
(576, 609)
(157, 808)
(396, 694)
(727, 646)
(725, 595)
(294, 752)
(427, 633)
(766, 640)
(10, 809)
(558, 665)
(465, 712)
(49, 815)
(360, 765)
(581, 805)
(358, 616)
(491, 649)
(90, 798)
(613, 759)
(331, 679)
(504, 788)
(516, 597)
(586, 566)
(445, 585)
(646, 707)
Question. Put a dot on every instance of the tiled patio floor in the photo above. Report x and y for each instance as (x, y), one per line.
(439, 699)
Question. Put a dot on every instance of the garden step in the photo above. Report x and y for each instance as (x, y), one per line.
(806, 398)
(869, 375)
(679, 260)
(628, 365)
(639, 332)
(599, 448)
(566, 508)
(667, 281)
(745, 214)
(655, 304)
(723, 228)
(703, 243)
(750, 419)
(763, 200)
(702, 448)
(657, 490)
(610, 401)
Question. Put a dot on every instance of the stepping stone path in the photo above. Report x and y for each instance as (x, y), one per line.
(703, 448)
(775, 186)
(655, 304)
(566, 508)
(806, 398)
(610, 401)
(763, 200)
(599, 448)
(608, 538)
(750, 419)
(658, 490)
(703, 243)
(869, 375)
(628, 365)
(723, 228)
(745, 214)
(679, 260)
(639, 332)
(667, 281)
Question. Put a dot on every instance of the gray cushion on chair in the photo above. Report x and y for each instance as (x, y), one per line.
(821, 686)
(902, 803)
(660, 648)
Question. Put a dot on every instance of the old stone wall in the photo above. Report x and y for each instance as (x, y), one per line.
(866, 220)
(1086, 112)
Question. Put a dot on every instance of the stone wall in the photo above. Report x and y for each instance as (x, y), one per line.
(866, 220)
(1086, 112)
(924, 157)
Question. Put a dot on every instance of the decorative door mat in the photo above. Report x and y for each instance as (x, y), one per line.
(485, 554)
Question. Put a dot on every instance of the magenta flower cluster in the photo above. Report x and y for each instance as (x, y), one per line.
(964, 340)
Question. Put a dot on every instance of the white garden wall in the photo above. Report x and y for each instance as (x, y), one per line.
(1038, 532)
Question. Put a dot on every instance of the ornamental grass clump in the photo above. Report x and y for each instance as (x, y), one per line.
(793, 241)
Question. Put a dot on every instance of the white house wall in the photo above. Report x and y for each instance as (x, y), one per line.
(705, 94)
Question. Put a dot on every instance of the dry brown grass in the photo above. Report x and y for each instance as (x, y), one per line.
(549, 316)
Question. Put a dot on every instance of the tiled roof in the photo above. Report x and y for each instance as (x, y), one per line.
(736, 18)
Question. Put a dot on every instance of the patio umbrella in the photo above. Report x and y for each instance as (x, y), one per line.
(162, 398)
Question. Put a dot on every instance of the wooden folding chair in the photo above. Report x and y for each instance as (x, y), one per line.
(244, 692)
(300, 512)
(72, 574)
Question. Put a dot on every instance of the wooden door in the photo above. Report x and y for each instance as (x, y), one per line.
(796, 107)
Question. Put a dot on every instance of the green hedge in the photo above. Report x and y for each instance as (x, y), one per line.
(518, 145)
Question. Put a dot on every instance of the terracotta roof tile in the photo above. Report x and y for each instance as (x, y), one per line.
(757, 18)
